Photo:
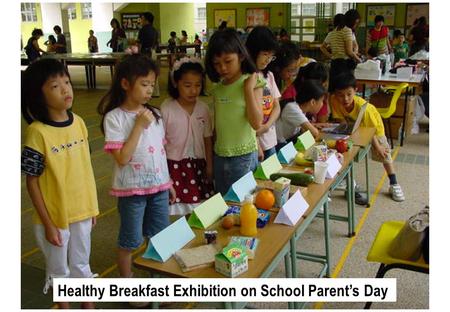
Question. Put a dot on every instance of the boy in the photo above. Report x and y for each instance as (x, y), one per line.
(346, 105)
(401, 48)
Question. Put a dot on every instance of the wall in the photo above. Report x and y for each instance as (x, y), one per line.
(278, 13)
(79, 32)
(170, 22)
(102, 14)
(27, 28)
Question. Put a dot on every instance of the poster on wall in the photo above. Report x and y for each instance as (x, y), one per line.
(131, 21)
(228, 16)
(415, 11)
(387, 11)
(258, 17)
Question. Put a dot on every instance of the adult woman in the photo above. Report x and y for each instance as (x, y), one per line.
(378, 37)
(418, 37)
(117, 34)
(32, 48)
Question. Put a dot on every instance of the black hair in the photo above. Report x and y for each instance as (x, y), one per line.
(288, 53)
(184, 33)
(178, 74)
(351, 17)
(373, 52)
(52, 39)
(339, 21)
(343, 81)
(227, 41)
(308, 90)
(148, 16)
(397, 33)
(196, 36)
(314, 70)
(130, 68)
(283, 32)
(261, 39)
(422, 20)
(37, 32)
(33, 104)
(223, 25)
(57, 29)
(379, 18)
(115, 20)
(173, 34)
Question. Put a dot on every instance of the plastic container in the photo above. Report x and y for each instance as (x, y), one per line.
(248, 217)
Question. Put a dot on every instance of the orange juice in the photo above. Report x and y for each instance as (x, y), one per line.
(248, 217)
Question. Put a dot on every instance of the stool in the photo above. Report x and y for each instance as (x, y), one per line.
(379, 252)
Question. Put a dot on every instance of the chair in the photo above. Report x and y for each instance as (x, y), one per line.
(387, 112)
(379, 252)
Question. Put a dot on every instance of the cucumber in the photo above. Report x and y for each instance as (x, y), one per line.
(299, 179)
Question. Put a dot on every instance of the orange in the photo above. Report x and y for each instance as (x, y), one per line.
(265, 199)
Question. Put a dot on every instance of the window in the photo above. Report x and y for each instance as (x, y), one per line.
(72, 13)
(86, 10)
(28, 12)
(201, 13)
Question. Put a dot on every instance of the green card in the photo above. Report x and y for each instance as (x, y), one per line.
(267, 167)
(305, 141)
(208, 212)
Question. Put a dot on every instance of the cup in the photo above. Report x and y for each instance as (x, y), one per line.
(320, 171)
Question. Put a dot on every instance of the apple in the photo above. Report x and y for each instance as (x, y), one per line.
(341, 146)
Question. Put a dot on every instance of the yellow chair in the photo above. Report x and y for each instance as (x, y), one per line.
(387, 112)
(379, 252)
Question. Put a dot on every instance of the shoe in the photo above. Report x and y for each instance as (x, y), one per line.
(361, 198)
(396, 192)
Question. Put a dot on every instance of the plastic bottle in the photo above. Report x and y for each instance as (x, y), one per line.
(249, 215)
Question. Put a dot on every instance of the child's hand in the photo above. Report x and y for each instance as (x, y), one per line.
(94, 221)
(322, 125)
(382, 151)
(144, 118)
(250, 82)
(260, 153)
(210, 173)
(53, 236)
(172, 195)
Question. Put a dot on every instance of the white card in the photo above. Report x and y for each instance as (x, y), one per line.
(333, 166)
(292, 210)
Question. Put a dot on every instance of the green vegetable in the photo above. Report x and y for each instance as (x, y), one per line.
(299, 179)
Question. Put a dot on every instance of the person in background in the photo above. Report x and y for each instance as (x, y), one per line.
(117, 35)
(147, 36)
(378, 37)
(50, 43)
(92, 42)
(284, 36)
(183, 41)
(401, 47)
(222, 25)
(172, 47)
(418, 36)
(261, 46)
(198, 46)
(32, 49)
(61, 44)
(352, 19)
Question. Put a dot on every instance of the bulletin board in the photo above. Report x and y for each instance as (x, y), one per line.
(387, 11)
(131, 21)
(414, 11)
(228, 15)
(258, 17)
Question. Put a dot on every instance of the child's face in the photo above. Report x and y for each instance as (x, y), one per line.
(58, 93)
(189, 87)
(317, 105)
(289, 72)
(345, 97)
(401, 39)
(228, 66)
(141, 90)
(264, 58)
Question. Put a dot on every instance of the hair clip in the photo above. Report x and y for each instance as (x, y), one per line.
(178, 63)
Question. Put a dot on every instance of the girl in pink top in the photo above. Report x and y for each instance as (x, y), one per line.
(189, 136)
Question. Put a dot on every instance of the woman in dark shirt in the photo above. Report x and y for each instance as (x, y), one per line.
(117, 34)
(32, 48)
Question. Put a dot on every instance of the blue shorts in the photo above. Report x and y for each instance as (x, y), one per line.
(142, 216)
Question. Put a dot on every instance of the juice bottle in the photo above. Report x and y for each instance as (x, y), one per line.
(249, 215)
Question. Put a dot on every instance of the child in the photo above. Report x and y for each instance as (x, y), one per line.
(401, 48)
(261, 45)
(198, 46)
(171, 47)
(134, 135)
(237, 105)
(292, 121)
(183, 41)
(50, 43)
(189, 136)
(59, 174)
(345, 104)
(92, 42)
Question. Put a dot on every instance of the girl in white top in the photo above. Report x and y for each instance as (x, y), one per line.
(134, 135)
(189, 136)
(292, 121)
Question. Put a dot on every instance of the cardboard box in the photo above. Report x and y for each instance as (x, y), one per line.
(232, 261)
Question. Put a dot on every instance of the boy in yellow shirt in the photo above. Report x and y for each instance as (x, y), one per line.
(346, 105)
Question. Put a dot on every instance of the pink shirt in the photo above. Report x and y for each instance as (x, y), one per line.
(185, 133)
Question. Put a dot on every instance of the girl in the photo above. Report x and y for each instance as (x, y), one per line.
(189, 136)
(309, 99)
(50, 43)
(117, 35)
(134, 135)
(261, 45)
(237, 105)
(55, 159)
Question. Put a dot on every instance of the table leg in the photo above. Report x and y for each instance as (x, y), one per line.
(326, 221)
(350, 190)
(293, 257)
(367, 179)
(352, 200)
(94, 80)
(88, 76)
(402, 134)
(364, 91)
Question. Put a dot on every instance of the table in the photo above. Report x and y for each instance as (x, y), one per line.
(392, 79)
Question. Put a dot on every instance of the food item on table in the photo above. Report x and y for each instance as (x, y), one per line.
(331, 143)
(301, 160)
(228, 222)
(265, 199)
(299, 179)
(341, 146)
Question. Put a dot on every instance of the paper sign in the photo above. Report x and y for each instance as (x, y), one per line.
(208, 212)
(333, 166)
(164, 244)
(287, 153)
(244, 186)
(292, 211)
(305, 141)
(267, 167)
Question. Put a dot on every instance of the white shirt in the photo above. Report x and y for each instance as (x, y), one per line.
(290, 121)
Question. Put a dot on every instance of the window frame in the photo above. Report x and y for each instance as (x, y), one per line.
(28, 12)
